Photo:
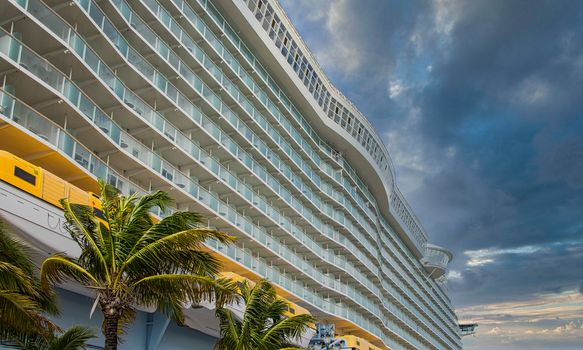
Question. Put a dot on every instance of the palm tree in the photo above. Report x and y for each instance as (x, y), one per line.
(133, 260)
(263, 325)
(23, 304)
(74, 338)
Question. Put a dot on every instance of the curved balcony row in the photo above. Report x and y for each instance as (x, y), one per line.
(413, 267)
(257, 71)
(166, 168)
(145, 33)
(197, 27)
(209, 8)
(139, 27)
(334, 105)
(221, 138)
(231, 91)
(21, 113)
(59, 140)
(246, 56)
(391, 266)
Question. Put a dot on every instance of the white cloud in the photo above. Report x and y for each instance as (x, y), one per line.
(454, 275)
(446, 14)
(543, 320)
(533, 91)
(482, 257)
(396, 87)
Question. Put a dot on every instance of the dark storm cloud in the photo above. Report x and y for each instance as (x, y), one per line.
(507, 93)
(487, 132)
(545, 270)
(507, 60)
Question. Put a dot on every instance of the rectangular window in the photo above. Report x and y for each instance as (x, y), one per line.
(99, 214)
(25, 175)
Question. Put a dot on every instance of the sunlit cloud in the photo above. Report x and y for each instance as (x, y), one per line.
(564, 305)
(548, 318)
(482, 257)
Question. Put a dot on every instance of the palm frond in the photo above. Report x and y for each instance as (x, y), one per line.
(14, 278)
(107, 192)
(160, 290)
(74, 338)
(14, 252)
(288, 329)
(138, 218)
(177, 222)
(21, 313)
(22, 339)
(135, 261)
(263, 324)
(230, 330)
(22, 301)
(81, 225)
(180, 250)
(56, 268)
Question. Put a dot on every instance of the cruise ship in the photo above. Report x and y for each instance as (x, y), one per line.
(221, 104)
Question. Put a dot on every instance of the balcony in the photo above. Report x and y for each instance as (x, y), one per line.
(436, 260)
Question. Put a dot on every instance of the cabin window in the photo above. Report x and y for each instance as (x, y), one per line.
(25, 175)
(292, 311)
(99, 214)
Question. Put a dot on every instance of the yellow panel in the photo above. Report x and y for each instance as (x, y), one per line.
(22, 145)
(235, 277)
(78, 196)
(54, 189)
(94, 200)
(20, 173)
(295, 309)
(358, 343)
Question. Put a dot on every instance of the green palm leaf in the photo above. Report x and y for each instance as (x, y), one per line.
(23, 304)
(263, 325)
(74, 338)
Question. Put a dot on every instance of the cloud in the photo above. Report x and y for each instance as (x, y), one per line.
(344, 24)
(396, 87)
(542, 322)
(494, 275)
(482, 257)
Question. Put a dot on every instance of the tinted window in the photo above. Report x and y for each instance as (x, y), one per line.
(25, 175)
(99, 214)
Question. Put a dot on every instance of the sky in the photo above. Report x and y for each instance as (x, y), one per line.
(480, 104)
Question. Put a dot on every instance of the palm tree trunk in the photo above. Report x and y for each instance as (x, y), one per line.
(111, 323)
